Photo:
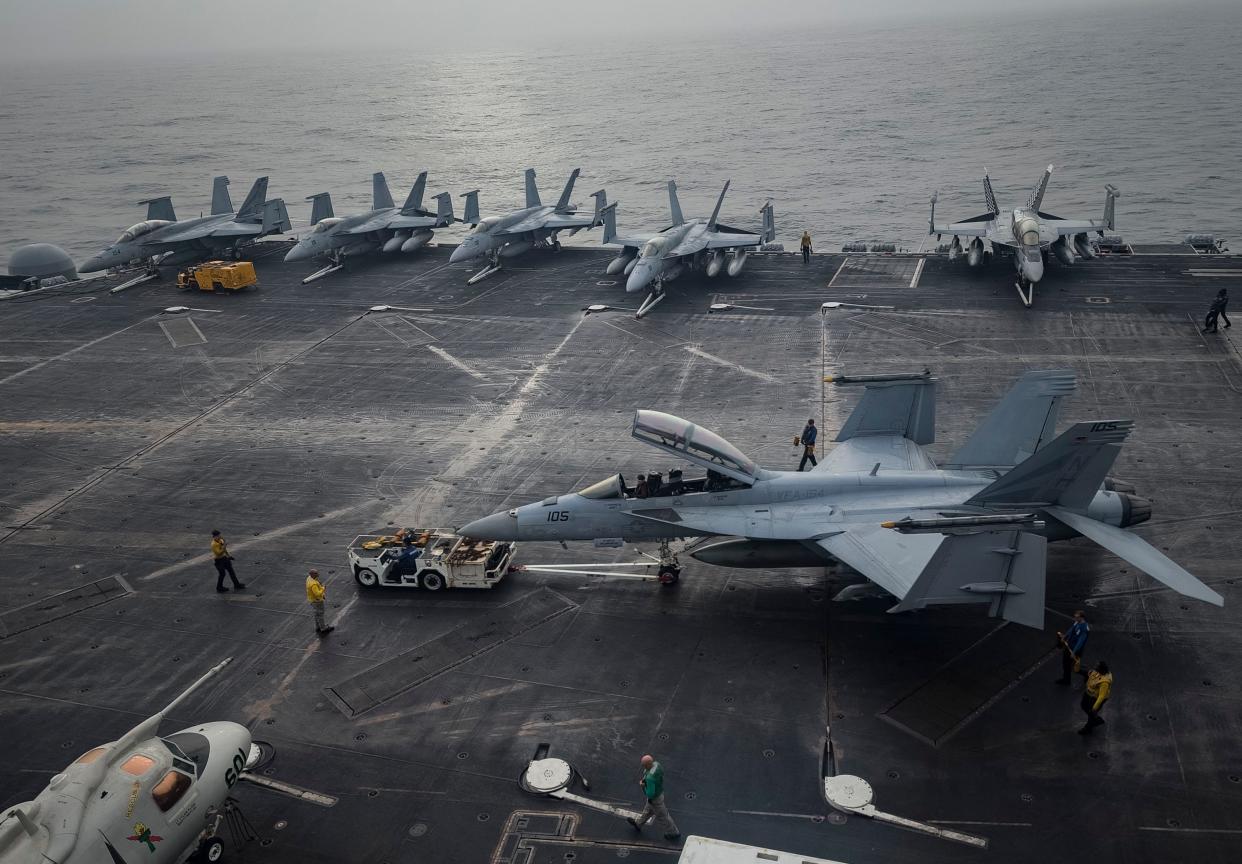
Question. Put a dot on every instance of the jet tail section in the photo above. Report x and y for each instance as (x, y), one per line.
(414, 202)
(1037, 194)
(252, 208)
(608, 216)
(160, 208)
(601, 204)
(381, 198)
(220, 201)
(902, 405)
(1068, 472)
(989, 196)
(1022, 422)
(321, 207)
(674, 205)
(532, 192)
(472, 207)
(276, 217)
(769, 222)
(562, 204)
(1111, 194)
(711, 223)
(444, 209)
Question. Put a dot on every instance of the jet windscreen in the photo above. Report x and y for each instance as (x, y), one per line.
(694, 442)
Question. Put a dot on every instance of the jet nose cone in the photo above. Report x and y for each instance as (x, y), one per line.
(460, 254)
(639, 277)
(498, 526)
(297, 253)
(90, 265)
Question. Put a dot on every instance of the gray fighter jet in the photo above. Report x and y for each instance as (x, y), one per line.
(972, 530)
(161, 239)
(686, 245)
(534, 226)
(385, 227)
(1028, 231)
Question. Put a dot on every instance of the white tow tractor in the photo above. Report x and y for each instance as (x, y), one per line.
(428, 558)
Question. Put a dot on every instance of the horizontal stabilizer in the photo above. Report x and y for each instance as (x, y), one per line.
(903, 405)
(1140, 553)
(160, 208)
(1068, 471)
(1022, 422)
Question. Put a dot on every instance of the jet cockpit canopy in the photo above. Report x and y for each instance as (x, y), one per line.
(694, 443)
(135, 231)
(486, 225)
(326, 223)
(1027, 231)
(654, 247)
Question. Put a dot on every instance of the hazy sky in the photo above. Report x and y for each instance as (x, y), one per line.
(43, 29)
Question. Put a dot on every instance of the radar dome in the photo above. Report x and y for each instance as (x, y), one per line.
(41, 260)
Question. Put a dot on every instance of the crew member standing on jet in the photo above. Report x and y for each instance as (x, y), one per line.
(1099, 688)
(1073, 641)
(807, 439)
(315, 595)
(652, 782)
(806, 247)
(224, 562)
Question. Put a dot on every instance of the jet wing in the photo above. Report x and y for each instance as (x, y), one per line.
(725, 240)
(888, 558)
(391, 222)
(1074, 226)
(976, 226)
(550, 222)
(865, 452)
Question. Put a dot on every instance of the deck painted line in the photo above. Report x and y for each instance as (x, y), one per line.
(1214, 272)
(454, 362)
(1190, 830)
(918, 272)
(73, 351)
(720, 361)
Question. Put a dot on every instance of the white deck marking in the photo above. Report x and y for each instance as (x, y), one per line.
(454, 362)
(73, 351)
(918, 272)
(720, 361)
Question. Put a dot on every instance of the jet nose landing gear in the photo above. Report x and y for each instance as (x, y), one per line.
(670, 567)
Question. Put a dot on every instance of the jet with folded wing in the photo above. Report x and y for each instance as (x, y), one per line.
(535, 226)
(684, 246)
(162, 239)
(384, 228)
(973, 530)
(1028, 232)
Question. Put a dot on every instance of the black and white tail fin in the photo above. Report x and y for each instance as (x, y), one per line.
(674, 205)
(381, 198)
(989, 197)
(1020, 424)
(471, 214)
(711, 223)
(321, 207)
(444, 209)
(1037, 194)
(1067, 472)
(532, 192)
(413, 205)
(160, 208)
(769, 221)
(220, 201)
(562, 204)
(1111, 194)
(252, 208)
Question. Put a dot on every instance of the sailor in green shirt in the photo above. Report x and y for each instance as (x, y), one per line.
(652, 782)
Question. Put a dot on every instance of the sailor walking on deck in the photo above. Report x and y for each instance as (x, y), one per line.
(224, 563)
(315, 595)
(1099, 688)
(807, 440)
(652, 782)
(1216, 312)
(1073, 642)
(806, 247)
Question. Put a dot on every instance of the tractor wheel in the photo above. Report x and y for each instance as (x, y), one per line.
(366, 578)
(433, 581)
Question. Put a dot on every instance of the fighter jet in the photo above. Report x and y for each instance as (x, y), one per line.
(142, 797)
(697, 244)
(1028, 231)
(972, 530)
(385, 227)
(533, 227)
(161, 239)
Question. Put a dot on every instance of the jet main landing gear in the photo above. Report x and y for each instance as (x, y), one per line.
(670, 567)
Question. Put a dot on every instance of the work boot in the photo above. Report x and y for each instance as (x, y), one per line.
(1086, 730)
(238, 586)
(634, 823)
(325, 631)
(222, 589)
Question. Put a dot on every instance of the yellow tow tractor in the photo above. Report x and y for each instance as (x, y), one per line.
(218, 276)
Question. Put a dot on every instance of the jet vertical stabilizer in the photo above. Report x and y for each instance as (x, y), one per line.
(989, 196)
(252, 208)
(532, 192)
(472, 207)
(711, 223)
(321, 207)
(1037, 194)
(414, 201)
(1022, 422)
(381, 198)
(674, 205)
(903, 405)
(220, 201)
(562, 204)
(444, 209)
(160, 208)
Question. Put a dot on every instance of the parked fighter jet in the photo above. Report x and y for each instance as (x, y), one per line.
(970, 531)
(697, 244)
(141, 798)
(385, 227)
(161, 239)
(534, 226)
(1028, 231)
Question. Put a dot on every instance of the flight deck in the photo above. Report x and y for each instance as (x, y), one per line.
(393, 394)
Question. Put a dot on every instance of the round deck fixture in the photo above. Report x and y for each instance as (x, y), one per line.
(720, 307)
(548, 775)
(42, 261)
(847, 792)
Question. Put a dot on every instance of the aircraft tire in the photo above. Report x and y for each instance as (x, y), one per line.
(669, 575)
(211, 850)
(432, 581)
(366, 578)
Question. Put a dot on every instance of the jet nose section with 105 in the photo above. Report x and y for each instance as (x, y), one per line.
(498, 526)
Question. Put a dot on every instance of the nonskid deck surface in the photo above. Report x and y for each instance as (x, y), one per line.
(301, 420)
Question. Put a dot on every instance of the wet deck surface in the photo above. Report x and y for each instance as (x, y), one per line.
(300, 420)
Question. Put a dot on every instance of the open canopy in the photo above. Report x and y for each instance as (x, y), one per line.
(694, 443)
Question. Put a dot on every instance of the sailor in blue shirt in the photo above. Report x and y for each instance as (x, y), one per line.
(1073, 643)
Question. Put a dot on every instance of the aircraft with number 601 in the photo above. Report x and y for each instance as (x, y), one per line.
(972, 530)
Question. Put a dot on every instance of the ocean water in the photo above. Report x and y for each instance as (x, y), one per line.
(849, 130)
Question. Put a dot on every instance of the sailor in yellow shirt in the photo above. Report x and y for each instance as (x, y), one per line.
(224, 562)
(1099, 688)
(315, 594)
